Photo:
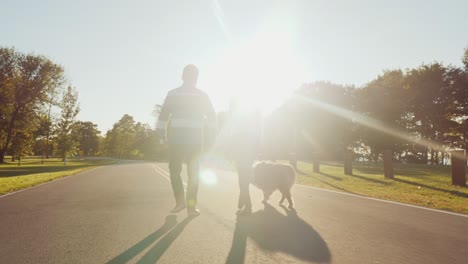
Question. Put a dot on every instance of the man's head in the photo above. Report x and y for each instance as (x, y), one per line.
(190, 74)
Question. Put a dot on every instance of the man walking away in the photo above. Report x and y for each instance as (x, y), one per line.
(181, 122)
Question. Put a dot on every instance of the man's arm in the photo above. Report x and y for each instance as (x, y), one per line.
(163, 119)
(210, 120)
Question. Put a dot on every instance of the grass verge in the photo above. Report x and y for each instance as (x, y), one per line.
(422, 185)
(33, 172)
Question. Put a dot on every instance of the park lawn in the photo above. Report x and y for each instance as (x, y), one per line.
(32, 172)
(423, 185)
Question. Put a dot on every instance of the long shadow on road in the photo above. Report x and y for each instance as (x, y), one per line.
(457, 193)
(330, 176)
(275, 232)
(153, 255)
(369, 179)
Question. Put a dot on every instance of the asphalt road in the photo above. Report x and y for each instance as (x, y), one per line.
(119, 214)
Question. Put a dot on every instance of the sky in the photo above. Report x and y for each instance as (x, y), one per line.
(124, 56)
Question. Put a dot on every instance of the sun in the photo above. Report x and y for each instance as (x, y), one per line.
(261, 73)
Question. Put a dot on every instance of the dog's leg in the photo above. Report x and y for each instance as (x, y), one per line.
(266, 196)
(290, 201)
(240, 202)
(282, 198)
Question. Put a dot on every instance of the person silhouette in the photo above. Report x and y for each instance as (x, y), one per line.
(244, 144)
(186, 121)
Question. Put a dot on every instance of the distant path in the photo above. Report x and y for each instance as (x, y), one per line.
(118, 214)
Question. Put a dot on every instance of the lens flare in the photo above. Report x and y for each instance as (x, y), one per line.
(209, 177)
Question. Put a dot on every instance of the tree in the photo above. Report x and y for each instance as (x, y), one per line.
(145, 143)
(457, 135)
(7, 65)
(119, 139)
(465, 59)
(463, 130)
(383, 101)
(25, 128)
(131, 140)
(87, 136)
(21, 145)
(26, 83)
(66, 141)
(430, 99)
(318, 126)
(41, 135)
(156, 111)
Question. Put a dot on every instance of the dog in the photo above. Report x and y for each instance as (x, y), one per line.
(268, 177)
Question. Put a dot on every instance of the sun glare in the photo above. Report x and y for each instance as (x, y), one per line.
(261, 73)
(209, 177)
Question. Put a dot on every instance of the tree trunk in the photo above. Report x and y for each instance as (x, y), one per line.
(425, 156)
(458, 160)
(48, 133)
(348, 162)
(388, 164)
(47, 146)
(466, 148)
(9, 135)
(316, 166)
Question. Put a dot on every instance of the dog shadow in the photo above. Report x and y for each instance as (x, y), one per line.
(275, 232)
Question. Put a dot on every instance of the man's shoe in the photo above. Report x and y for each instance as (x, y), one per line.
(178, 208)
(193, 212)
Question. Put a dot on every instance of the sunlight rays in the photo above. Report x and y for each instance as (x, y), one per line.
(258, 71)
(219, 15)
(371, 123)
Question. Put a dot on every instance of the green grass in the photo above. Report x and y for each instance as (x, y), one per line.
(422, 185)
(32, 172)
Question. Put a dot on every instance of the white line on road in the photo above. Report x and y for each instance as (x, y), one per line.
(166, 175)
(162, 173)
(381, 200)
